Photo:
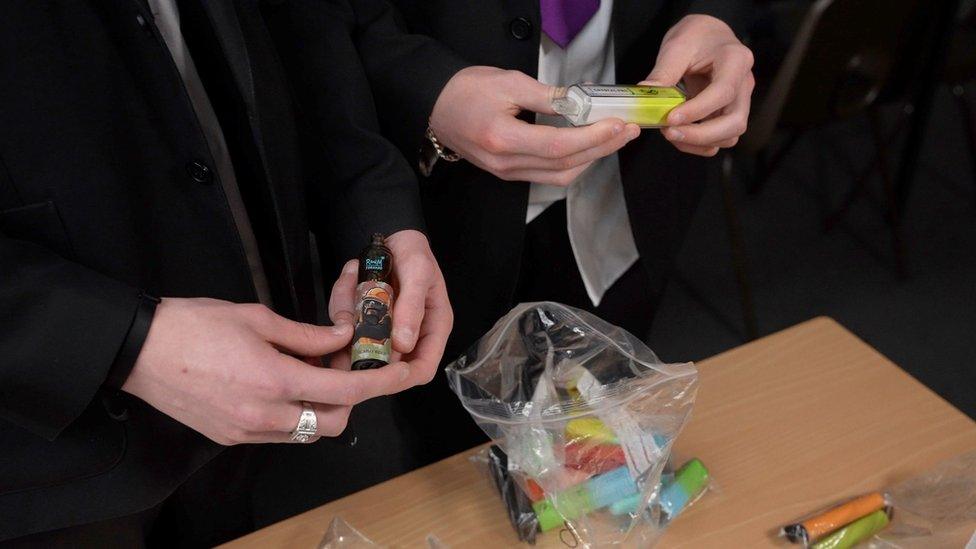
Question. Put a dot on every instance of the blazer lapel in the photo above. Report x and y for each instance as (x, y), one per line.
(224, 20)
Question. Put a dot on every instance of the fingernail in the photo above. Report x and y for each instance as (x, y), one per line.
(633, 133)
(404, 371)
(351, 267)
(675, 135)
(676, 118)
(341, 327)
(617, 128)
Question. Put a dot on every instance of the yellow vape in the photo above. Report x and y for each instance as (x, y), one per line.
(646, 106)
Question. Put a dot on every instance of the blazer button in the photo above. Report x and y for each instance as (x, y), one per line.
(521, 28)
(199, 172)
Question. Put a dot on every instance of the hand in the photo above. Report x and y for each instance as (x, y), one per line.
(226, 370)
(717, 71)
(422, 315)
(475, 115)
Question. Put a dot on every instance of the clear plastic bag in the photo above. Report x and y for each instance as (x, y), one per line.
(341, 535)
(934, 509)
(586, 415)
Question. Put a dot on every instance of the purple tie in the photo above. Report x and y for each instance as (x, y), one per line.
(563, 19)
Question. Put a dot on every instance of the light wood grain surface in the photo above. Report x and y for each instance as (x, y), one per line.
(786, 424)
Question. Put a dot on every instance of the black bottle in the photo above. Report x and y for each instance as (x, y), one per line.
(371, 344)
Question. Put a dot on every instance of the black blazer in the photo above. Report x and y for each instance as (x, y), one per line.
(476, 222)
(107, 195)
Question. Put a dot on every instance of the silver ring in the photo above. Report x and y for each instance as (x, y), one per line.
(307, 424)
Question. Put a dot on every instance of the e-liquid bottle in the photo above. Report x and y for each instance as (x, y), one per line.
(371, 344)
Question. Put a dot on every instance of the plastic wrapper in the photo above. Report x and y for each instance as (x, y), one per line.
(341, 535)
(827, 528)
(934, 509)
(585, 414)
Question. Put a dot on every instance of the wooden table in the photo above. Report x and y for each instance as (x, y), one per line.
(786, 424)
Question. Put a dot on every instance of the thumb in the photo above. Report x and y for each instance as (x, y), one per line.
(303, 339)
(530, 94)
(672, 64)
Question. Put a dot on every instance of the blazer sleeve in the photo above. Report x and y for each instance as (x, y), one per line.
(63, 328)
(361, 182)
(407, 71)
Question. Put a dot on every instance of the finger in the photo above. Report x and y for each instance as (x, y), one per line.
(333, 420)
(342, 300)
(560, 178)
(413, 276)
(671, 65)
(727, 127)
(527, 93)
(258, 422)
(528, 162)
(709, 133)
(696, 149)
(330, 421)
(724, 88)
(299, 338)
(340, 387)
(519, 137)
(341, 360)
(438, 321)
(728, 143)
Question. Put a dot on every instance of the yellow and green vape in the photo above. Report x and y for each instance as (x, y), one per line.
(646, 106)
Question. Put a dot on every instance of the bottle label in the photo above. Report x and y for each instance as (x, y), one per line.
(371, 339)
(597, 90)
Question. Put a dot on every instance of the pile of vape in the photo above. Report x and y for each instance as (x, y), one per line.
(583, 416)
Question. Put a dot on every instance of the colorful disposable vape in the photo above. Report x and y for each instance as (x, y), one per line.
(371, 345)
(684, 487)
(646, 106)
(590, 430)
(689, 482)
(596, 493)
(818, 526)
(594, 458)
(557, 481)
(855, 532)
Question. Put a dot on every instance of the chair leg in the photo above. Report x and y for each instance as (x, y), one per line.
(737, 249)
(969, 128)
(922, 101)
(892, 213)
(766, 164)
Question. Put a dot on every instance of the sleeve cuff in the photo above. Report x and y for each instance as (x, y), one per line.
(134, 339)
